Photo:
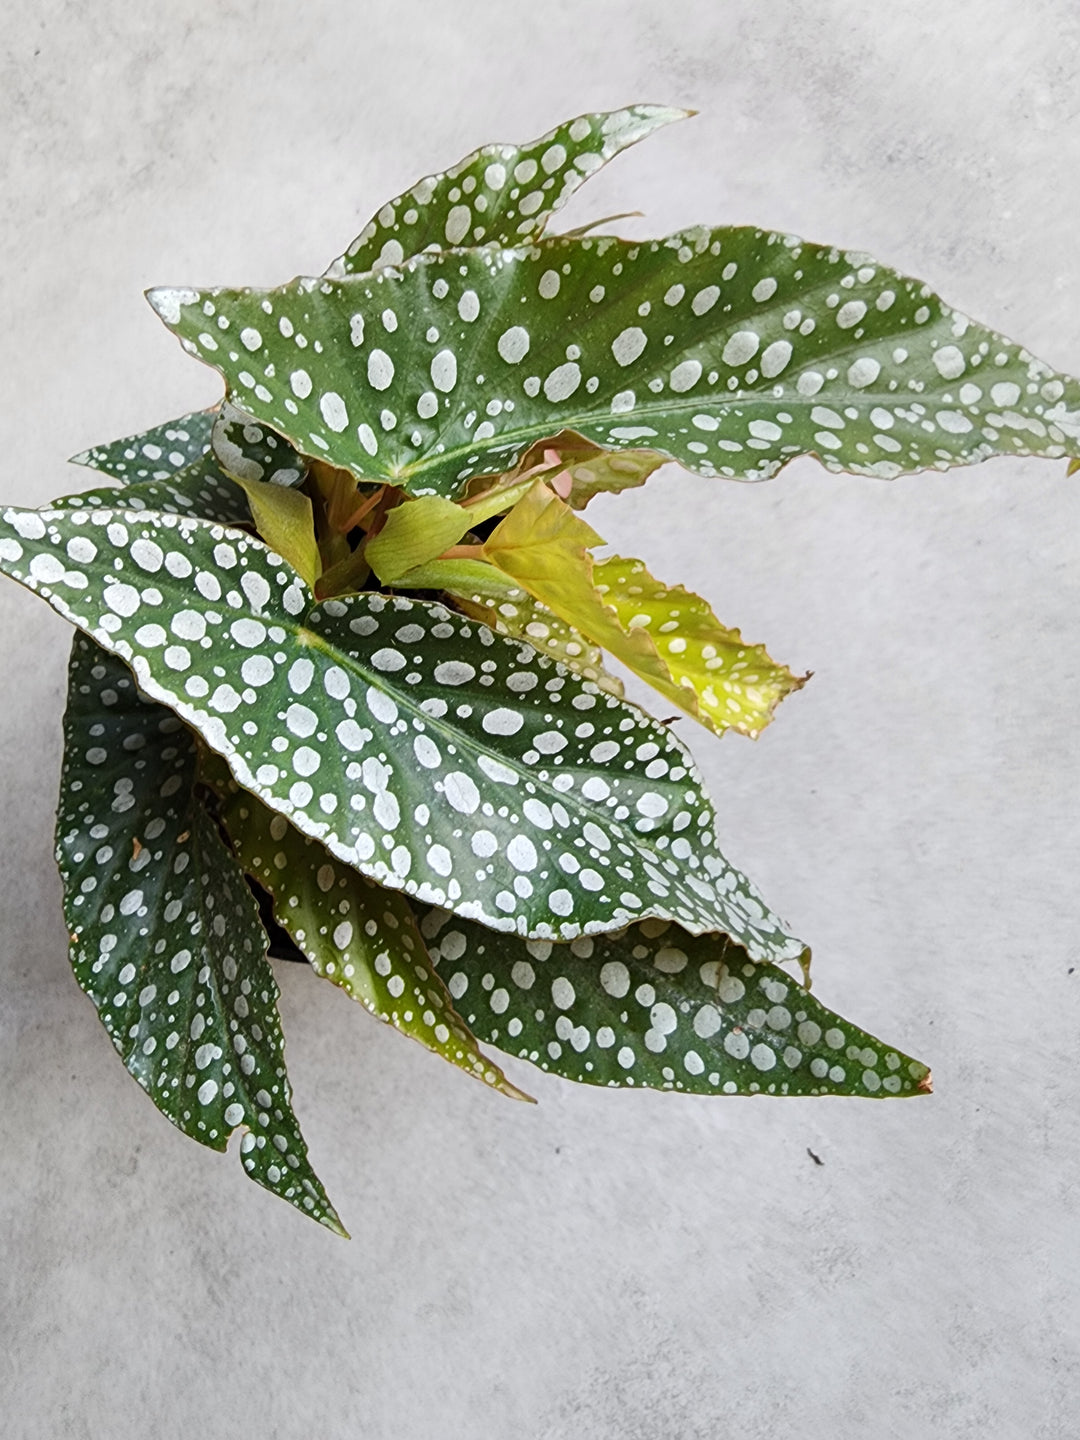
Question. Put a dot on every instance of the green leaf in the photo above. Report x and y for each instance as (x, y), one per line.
(285, 520)
(668, 636)
(246, 450)
(500, 193)
(654, 1007)
(201, 488)
(465, 769)
(357, 935)
(418, 531)
(414, 533)
(156, 454)
(729, 350)
(165, 935)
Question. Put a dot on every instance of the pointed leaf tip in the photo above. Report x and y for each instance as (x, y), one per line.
(652, 1006)
(167, 301)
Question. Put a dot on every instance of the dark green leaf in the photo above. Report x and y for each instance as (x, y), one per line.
(165, 935)
(156, 454)
(730, 350)
(653, 1006)
(202, 488)
(463, 768)
(501, 193)
(247, 450)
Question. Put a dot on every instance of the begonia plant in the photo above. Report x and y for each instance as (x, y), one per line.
(341, 669)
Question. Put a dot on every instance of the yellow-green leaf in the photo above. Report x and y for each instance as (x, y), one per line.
(413, 534)
(726, 683)
(284, 519)
(418, 531)
(544, 546)
(357, 935)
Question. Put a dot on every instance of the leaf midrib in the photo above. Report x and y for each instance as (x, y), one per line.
(512, 438)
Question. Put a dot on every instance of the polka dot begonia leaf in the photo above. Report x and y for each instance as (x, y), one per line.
(248, 451)
(201, 488)
(165, 934)
(667, 636)
(652, 1006)
(358, 935)
(436, 757)
(712, 673)
(156, 454)
(501, 193)
(729, 350)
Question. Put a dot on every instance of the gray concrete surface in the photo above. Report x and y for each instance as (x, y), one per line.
(605, 1266)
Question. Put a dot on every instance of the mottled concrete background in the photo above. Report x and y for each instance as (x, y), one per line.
(604, 1266)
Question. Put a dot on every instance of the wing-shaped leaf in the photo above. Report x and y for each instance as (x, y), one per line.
(166, 938)
(500, 193)
(465, 769)
(357, 935)
(156, 454)
(247, 450)
(669, 637)
(201, 488)
(728, 350)
(652, 1006)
